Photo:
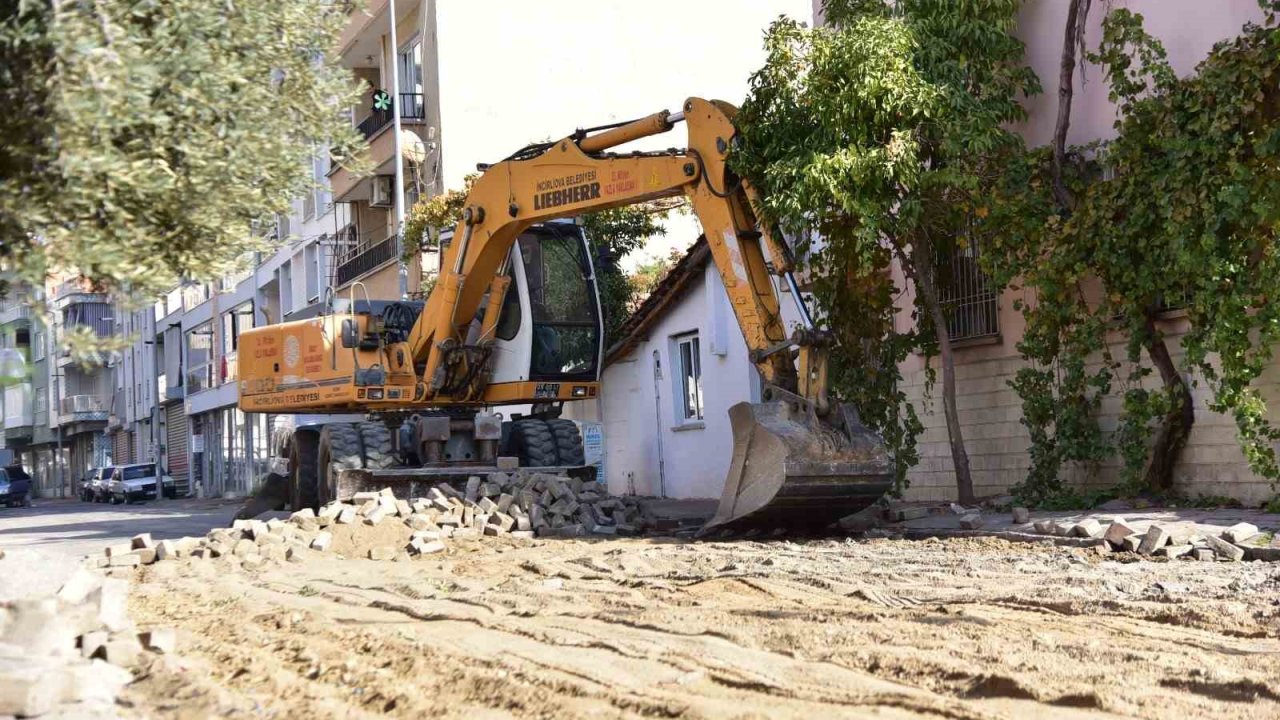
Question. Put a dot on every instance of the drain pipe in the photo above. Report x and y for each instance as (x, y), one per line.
(657, 416)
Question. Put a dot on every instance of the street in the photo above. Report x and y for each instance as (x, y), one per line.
(43, 544)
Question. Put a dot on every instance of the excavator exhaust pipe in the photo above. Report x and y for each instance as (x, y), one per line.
(794, 469)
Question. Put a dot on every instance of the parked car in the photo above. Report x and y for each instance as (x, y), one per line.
(99, 485)
(87, 484)
(15, 486)
(132, 483)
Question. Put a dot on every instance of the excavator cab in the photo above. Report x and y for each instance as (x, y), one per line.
(550, 328)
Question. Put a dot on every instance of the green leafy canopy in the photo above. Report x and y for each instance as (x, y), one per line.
(150, 135)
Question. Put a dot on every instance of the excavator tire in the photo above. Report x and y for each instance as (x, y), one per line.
(302, 471)
(340, 449)
(379, 453)
(568, 441)
(534, 443)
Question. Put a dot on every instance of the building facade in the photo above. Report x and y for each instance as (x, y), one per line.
(666, 393)
(170, 396)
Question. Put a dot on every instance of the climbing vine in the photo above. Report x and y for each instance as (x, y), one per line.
(1178, 211)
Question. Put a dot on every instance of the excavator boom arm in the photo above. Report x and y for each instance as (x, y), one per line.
(577, 175)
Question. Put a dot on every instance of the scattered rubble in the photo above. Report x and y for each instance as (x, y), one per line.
(72, 651)
(1159, 541)
(380, 526)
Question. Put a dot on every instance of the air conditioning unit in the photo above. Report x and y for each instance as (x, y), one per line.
(381, 195)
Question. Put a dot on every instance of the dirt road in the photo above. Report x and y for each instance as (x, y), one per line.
(971, 628)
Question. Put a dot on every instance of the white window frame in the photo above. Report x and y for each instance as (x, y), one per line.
(690, 402)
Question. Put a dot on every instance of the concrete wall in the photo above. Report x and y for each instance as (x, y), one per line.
(989, 410)
(639, 413)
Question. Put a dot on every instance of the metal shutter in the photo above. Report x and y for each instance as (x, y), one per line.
(120, 448)
(176, 448)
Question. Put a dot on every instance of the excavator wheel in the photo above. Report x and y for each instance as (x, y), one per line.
(340, 449)
(302, 471)
(379, 453)
(533, 442)
(568, 442)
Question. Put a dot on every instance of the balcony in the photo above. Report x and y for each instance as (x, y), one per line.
(364, 259)
(83, 408)
(380, 153)
(12, 312)
(18, 412)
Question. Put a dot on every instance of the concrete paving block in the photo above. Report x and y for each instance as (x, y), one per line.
(127, 561)
(91, 643)
(166, 550)
(303, 514)
(146, 556)
(376, 515)
(1131, 543)
(271, 539)
(142, 540)
(367, 507)
(323, 541)
(1173, 551)
(1043, 527)
(386, 492)
(161, 640)
(244, 547)
(331, 510)
(508, 462)
(972, 521)
(79, 586)
(1155, 538)
(1062, 529)
(1117, 531)
(346, 516)
(278, 553)
(382, 553)
(419, 522)
(1240, 532)
(504, 502)
(403, 508)
(94, 682)
(361, 498)
(487, 505)
(1204, 554)
(522, 534)
(426, 547)
(30, 686)
(1224, 549)
(1087, 528)
(122, 650)
(118, 549)
(1021, 516)
(473, 488)
(36, 625)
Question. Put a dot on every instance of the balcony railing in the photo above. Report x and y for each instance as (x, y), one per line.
(83, 408)
(18, 406)
(13, 312)
(365, 258)
(412, 107)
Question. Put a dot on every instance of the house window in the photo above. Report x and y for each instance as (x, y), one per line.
(410, 77)
(200, 358)
(37, 342)
(967, 295)
(235, 321)
(688, 377)
(311, 258)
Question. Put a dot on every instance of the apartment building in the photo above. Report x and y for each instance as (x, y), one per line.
(174, 390)
(170, 396)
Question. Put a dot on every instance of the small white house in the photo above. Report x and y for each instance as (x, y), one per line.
(668, 384)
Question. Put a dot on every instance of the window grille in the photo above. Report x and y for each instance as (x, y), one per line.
(968, 298)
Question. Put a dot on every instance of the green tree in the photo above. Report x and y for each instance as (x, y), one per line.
(1179, 210)
(879, 131)
(142, 139)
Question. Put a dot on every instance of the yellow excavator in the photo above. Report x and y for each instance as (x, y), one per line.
(514, 318)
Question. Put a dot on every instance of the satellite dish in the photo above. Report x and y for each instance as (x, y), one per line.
(411, 147)
(13, 366)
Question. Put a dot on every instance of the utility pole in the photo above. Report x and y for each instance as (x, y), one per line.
(399, 159)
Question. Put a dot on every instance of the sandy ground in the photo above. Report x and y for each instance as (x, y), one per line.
(960, 628)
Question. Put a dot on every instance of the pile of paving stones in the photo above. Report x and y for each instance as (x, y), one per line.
(1157, 541)
(517, 505)
(70, 652)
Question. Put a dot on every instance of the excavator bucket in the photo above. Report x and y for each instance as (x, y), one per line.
(792, 469)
